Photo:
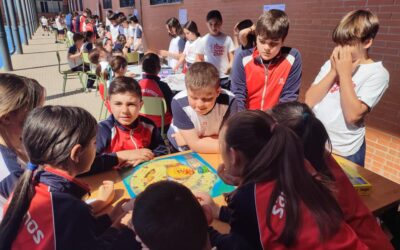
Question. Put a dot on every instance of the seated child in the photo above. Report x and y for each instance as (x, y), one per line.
(121, 46)
(300, 118)
(151, 85)
(19, 95)
(90, 40)
(278, 204)
(168, 203)
(200, 110)
(349, 85)
(126, 138)
(46, 210)
(75, 53)
(282, 66)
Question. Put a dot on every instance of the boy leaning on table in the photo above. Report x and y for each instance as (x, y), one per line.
(200, 110)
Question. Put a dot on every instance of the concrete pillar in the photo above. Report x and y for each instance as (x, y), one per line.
(7, 65)
(21, 21)
(14, 28)
(26, 19)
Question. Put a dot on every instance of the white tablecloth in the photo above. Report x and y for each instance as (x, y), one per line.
(175, 81)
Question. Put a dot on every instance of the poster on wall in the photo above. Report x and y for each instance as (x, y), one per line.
(136, 13)
(274, 7)
(183, 16)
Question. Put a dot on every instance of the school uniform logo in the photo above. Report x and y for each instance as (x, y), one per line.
(218, 50)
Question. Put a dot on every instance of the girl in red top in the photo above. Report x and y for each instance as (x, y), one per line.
(278, 204)
(300, 118)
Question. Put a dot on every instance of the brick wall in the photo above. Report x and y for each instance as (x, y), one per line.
(311, 25)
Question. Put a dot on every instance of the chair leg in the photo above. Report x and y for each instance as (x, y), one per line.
(81, 80)
(101, 110)
(64, 83)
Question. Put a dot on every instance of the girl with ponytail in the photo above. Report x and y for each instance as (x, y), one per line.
(46, 210)
(317, 149)
(277, 204)
(188, 57)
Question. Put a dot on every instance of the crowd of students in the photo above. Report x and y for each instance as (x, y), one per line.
(239, 102)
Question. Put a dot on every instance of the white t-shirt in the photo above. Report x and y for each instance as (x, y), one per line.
(370, 82)
(114, 30)
(138, 34)
(59, 24)
(215, 50)
(176, 45)
(44, 21)
(190, 50)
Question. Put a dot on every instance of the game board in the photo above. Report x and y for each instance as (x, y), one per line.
(189, 169)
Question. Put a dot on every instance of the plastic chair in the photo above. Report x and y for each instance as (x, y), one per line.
(68, 74)
(156, 106)
(103, 94)
(132, 57)
(91, 74)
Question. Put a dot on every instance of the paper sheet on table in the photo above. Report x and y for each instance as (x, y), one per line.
(176, 82)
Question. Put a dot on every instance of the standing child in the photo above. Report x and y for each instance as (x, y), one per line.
(151, 85)
(299, 117)
(46, 210)
(19, 96)
(217, 48)
(167, 203)
(200, 110)
(136, 33)
(45, 25)
(177, 43)
(126, 138)
(188, 56)
(278, 204)
(349, 85)
(271, 73)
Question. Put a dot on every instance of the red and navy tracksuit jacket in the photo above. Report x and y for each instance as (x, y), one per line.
(247, 215)
(151, 85)
(262, 85)
(58, 218)
(356, 214)
(113, 137)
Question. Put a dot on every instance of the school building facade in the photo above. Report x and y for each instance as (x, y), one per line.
(311, 25)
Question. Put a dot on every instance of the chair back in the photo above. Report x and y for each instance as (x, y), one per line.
(155, 106)
(132, 57)
(85, 58)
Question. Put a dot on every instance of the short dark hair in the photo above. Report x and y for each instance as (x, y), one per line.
(118, 62)
(77, 37)
(168, 216)
(151, 64)
(134, 19)
(214, 14)
(124, 84)
(244, 24)
(273, 24)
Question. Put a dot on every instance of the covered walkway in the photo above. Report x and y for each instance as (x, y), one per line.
(39, 61)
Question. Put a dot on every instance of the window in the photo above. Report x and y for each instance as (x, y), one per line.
(154, 2)
(107, 4)
(126, 3)
(50, 6)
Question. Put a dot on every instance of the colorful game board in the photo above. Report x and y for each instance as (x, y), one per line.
(189, 169)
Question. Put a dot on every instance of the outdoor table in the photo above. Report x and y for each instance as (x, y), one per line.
(385, 193)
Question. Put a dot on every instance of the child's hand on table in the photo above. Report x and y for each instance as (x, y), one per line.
(134, 157)
(180, 141)
(106, 192)
(208, 203)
